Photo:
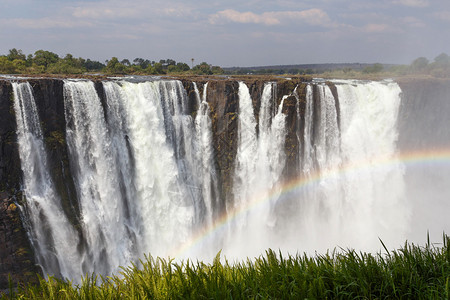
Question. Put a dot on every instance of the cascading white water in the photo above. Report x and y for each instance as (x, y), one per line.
(54, 239)
(260, 161)
(204, 154)
(245, 162)
(103, 155)
(158, 161)
(376, 193)
(350, 199)
(306, 159)
(144, 171)
(324, 196)
(97, 179)
(183, 137)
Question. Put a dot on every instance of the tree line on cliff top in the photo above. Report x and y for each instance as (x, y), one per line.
(439, 67)
(46, 62)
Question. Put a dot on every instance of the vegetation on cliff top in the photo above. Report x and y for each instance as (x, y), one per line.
(410, 272)
(421, 66)
(46, 62)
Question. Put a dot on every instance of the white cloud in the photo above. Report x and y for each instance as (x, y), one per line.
(104, 13)
(121, 36)
(413, 22)
(413, 3)
(46, 23)
(376, 28)
(122, 9)
(230, 15)
(443, 15)
(311, 16)
(381, 28)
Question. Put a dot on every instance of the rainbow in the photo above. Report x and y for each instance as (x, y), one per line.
(427, 157)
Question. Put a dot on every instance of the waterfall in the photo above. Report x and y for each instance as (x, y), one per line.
(307, 163)
(260, 160)
(53, 237)
(354, 200)
(142, 156)
(204, 162)
(97, 180)
(164, 159)
(260, 157)
(376, 193)
(245, 165)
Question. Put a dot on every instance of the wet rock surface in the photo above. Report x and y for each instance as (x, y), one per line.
(222, 97)
(16, 256)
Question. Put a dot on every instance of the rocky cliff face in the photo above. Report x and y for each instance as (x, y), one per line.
(16, 256)
(420, 98)
(9, 158)
(222, 96)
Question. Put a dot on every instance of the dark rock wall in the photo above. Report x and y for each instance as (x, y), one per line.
(49, 97)
(9, 157)
(222, 96)
(16, 256)
(223, 99)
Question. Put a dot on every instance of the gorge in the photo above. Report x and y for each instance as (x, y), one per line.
(96, 173)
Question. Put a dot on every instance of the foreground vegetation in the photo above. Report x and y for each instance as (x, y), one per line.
(412, 272)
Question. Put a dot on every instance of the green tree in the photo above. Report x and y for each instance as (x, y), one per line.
(125, 62)
(6, 66)
(183, 67)
(441, 66)
(91, 65)
(170, 62)
(172, 69)
(16, 54)
(19, 65)
(158, 67)
(115, 67)
(442, 59)
(178, 68)
(202, 69)
(45, 58)
(419, 64)
(143, 63)
(216, 70)
(68, 65)
(29, 61)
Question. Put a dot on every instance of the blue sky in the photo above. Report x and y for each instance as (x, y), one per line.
(230, 33)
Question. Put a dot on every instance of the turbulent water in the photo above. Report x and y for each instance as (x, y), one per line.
(360, 193)
(52, 236)
(147, 182)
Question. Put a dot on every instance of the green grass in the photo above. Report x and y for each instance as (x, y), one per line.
(411, 272)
